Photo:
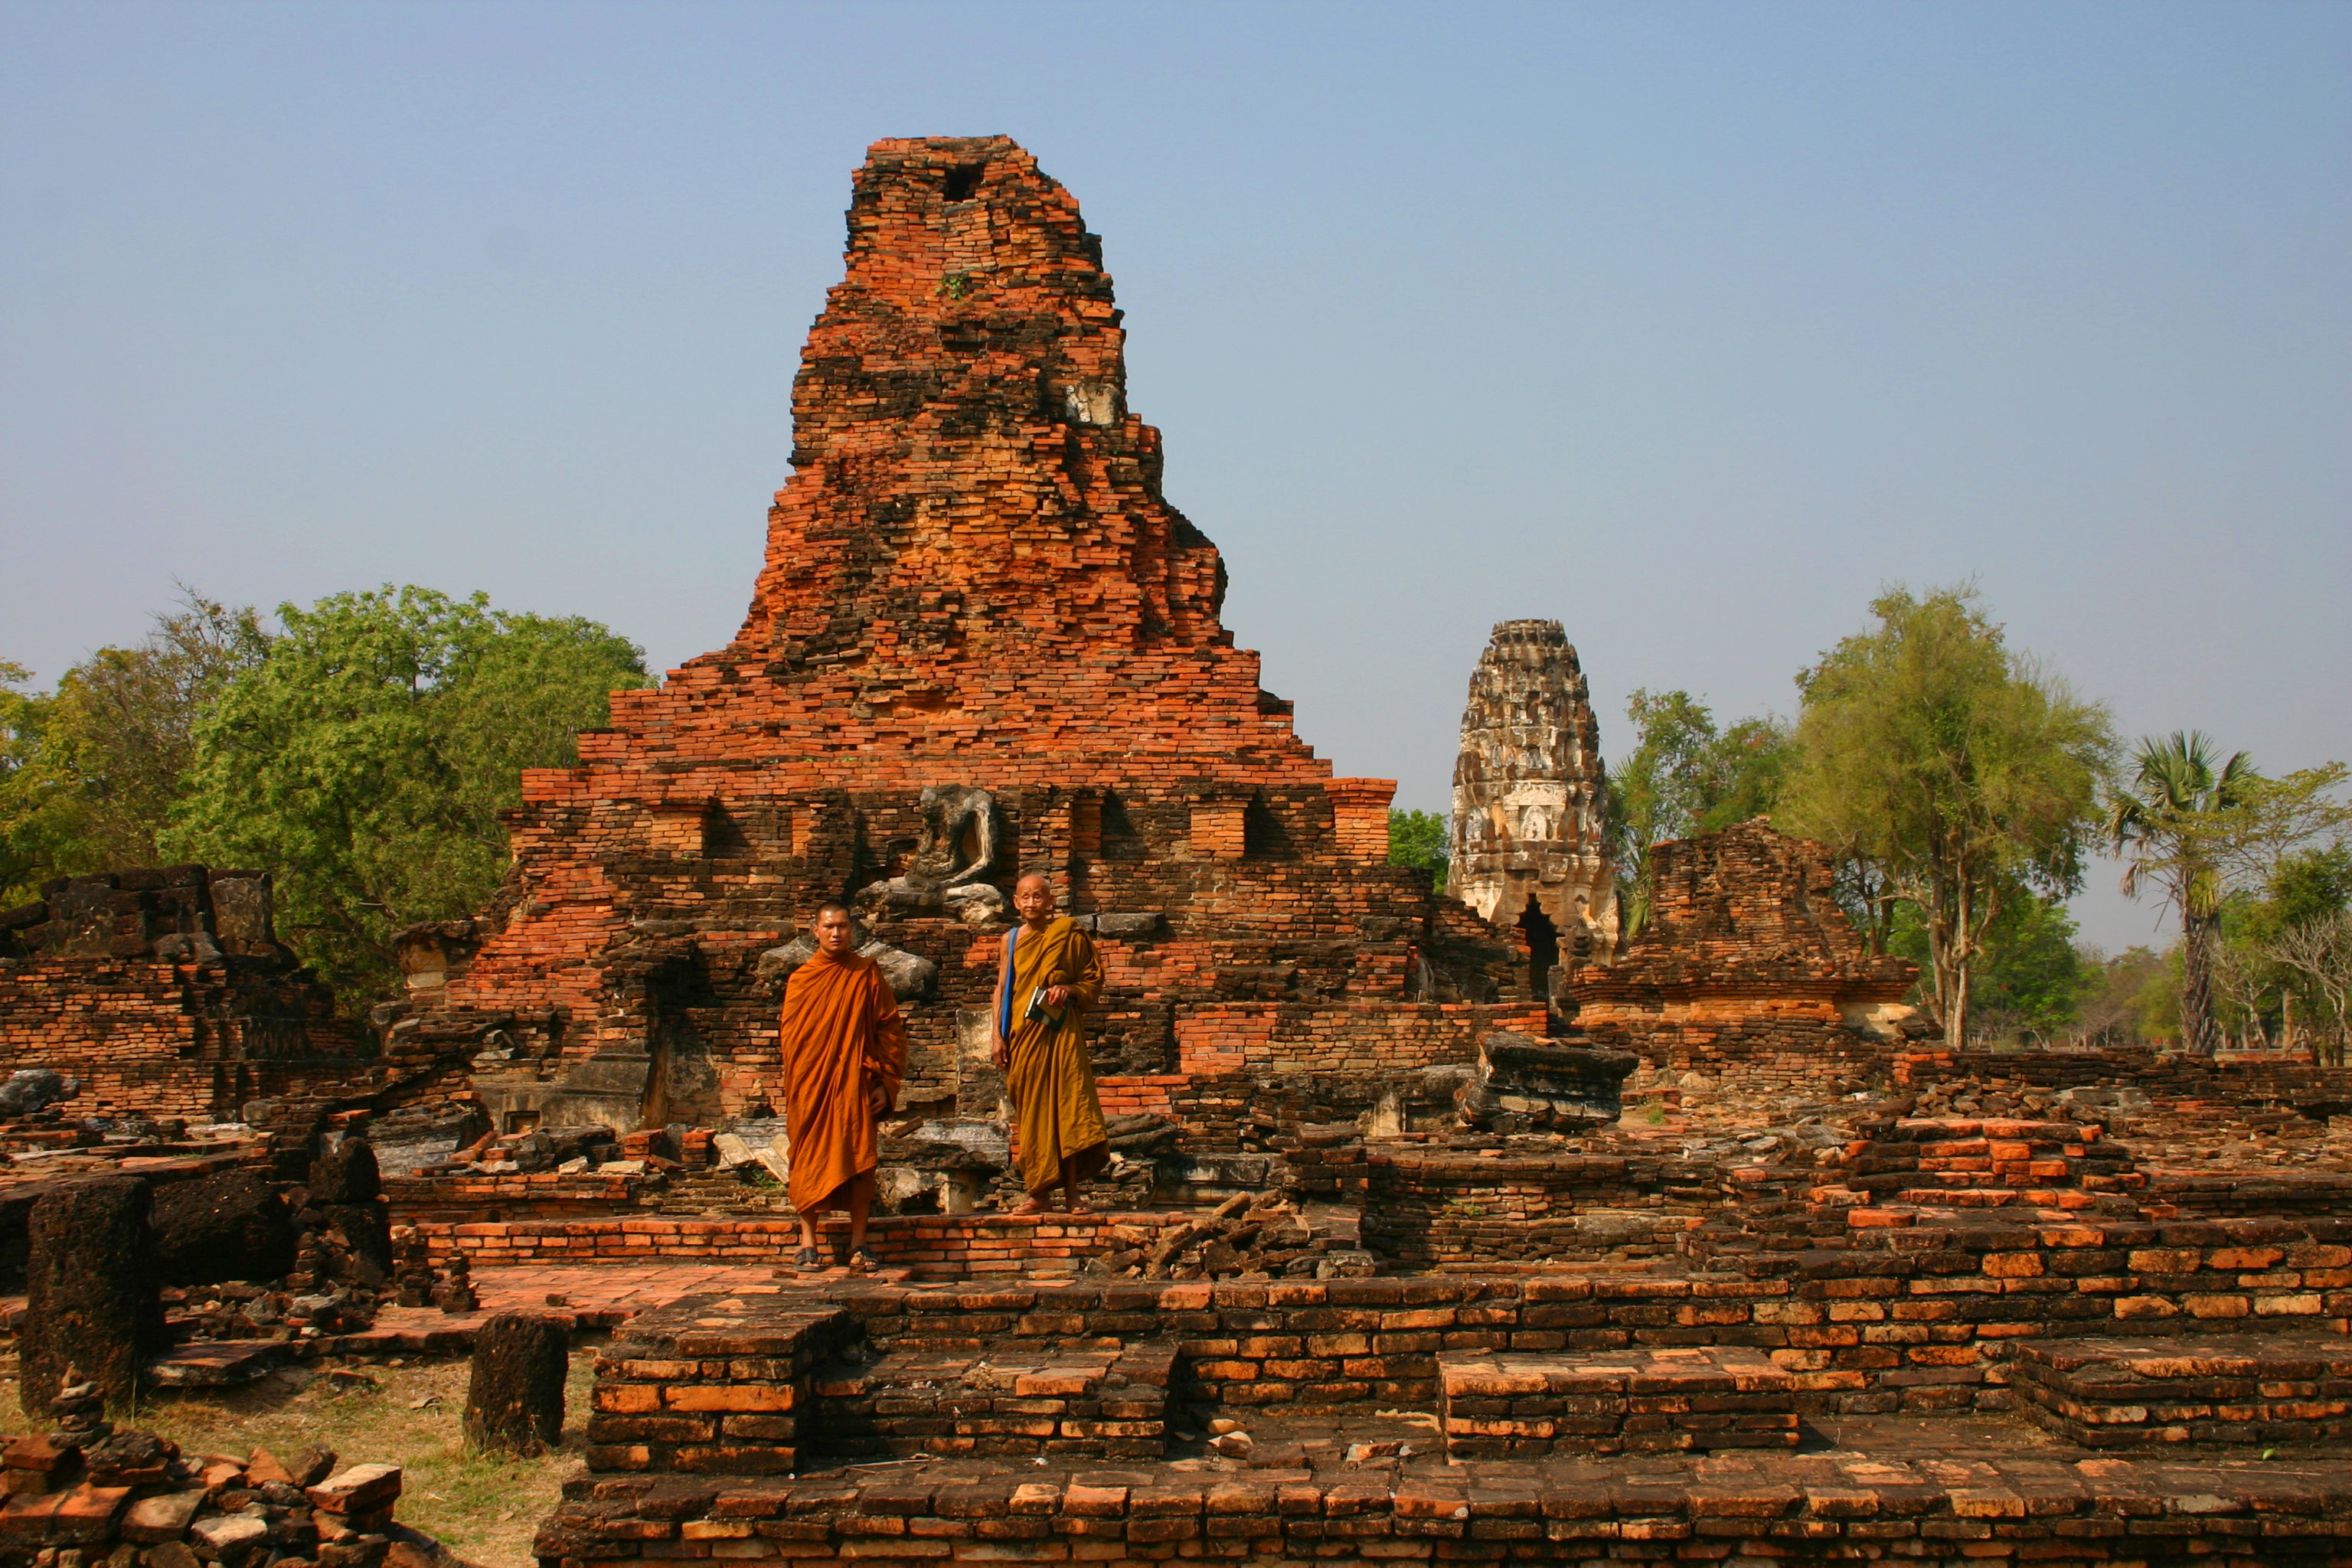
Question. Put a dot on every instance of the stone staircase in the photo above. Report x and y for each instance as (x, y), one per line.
(1953, 1163)
(1683, 1399)
(717, 1191)
(755, 1388)
(1927, 1173)
(1107, 1403)
(2128, 1393)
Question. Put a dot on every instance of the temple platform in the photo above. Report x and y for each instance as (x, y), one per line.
(1950, 1494)
(2131, 1393)
(1686, 1399)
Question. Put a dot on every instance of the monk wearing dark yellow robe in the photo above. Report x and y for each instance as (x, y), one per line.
(1048, 977)
(844, 1053)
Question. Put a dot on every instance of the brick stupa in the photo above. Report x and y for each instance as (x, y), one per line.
(1747, 967)
(982, 642)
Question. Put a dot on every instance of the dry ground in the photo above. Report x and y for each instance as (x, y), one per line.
(482, 1508)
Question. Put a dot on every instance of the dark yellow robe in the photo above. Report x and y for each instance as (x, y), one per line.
(842, 1035)
(1056, 1114)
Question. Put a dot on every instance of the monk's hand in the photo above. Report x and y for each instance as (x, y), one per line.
(1057, 994)
(1002, 1052)
(876, 1100)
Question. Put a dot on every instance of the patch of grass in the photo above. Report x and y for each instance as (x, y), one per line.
(484, 1507)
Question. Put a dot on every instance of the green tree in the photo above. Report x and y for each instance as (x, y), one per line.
(1419, 838)
(93, 769)
(2198, 829)
(2162, 826)
(1683, 775)
(2318, 952)
(1963, 775)
(366, 760)
(41, 826)
(2126, 996)
(2033, 978)
(122, 730)
(2306, 886)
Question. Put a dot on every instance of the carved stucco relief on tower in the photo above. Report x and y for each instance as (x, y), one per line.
(1527, 833)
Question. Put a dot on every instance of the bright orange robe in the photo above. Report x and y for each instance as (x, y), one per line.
(1057, 1113)
(841, 1034)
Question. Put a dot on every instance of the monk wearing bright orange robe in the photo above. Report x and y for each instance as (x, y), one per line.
(844, 1054)
(1048, 976)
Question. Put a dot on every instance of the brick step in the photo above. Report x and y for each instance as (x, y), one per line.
(2154, 1391)
(2091, 1174)
(2005, 1197)
(1947, 1216)
(1667, 1399)
(1955, 1129)
(1003, 1397)
(1994, 1153)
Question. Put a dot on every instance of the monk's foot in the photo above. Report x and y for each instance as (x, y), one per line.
(808, 1260)
(861, 1261)
(1033, 1206)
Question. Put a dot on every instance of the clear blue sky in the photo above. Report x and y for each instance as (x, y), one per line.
(1688, 324)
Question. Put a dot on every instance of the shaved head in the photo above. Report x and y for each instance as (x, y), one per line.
(1033, 900)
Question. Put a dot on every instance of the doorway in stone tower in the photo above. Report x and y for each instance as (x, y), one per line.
(1543, 950)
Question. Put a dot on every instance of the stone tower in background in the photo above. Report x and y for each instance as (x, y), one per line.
(1527, 839)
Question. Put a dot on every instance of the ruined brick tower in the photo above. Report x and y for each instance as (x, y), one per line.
(1528, 849)
(1747, 965)
(981, 643)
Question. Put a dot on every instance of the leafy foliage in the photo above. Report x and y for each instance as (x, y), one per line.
(95, 768)
(1419, 838)
(2198, 830)
(2317, 952)
(1964, 777)
(35, 821)
(366, 758)
(2033, 979)
(1683, 775)
(2129, 997)
(2161, 827)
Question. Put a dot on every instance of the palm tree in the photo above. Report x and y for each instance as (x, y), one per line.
(2159, 829)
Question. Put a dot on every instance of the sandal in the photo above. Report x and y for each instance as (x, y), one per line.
(808, 1260)
(861, 1261)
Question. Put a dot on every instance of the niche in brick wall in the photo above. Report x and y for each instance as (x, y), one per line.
(1264, 836)
(724, 837)
(1119, 837)
(963, 181)
(684, 1084)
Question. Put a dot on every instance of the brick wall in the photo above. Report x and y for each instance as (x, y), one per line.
(1800, 1509)
(1358, 1039)
(1433, 1209)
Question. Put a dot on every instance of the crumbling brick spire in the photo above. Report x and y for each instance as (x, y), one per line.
(966, 477)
